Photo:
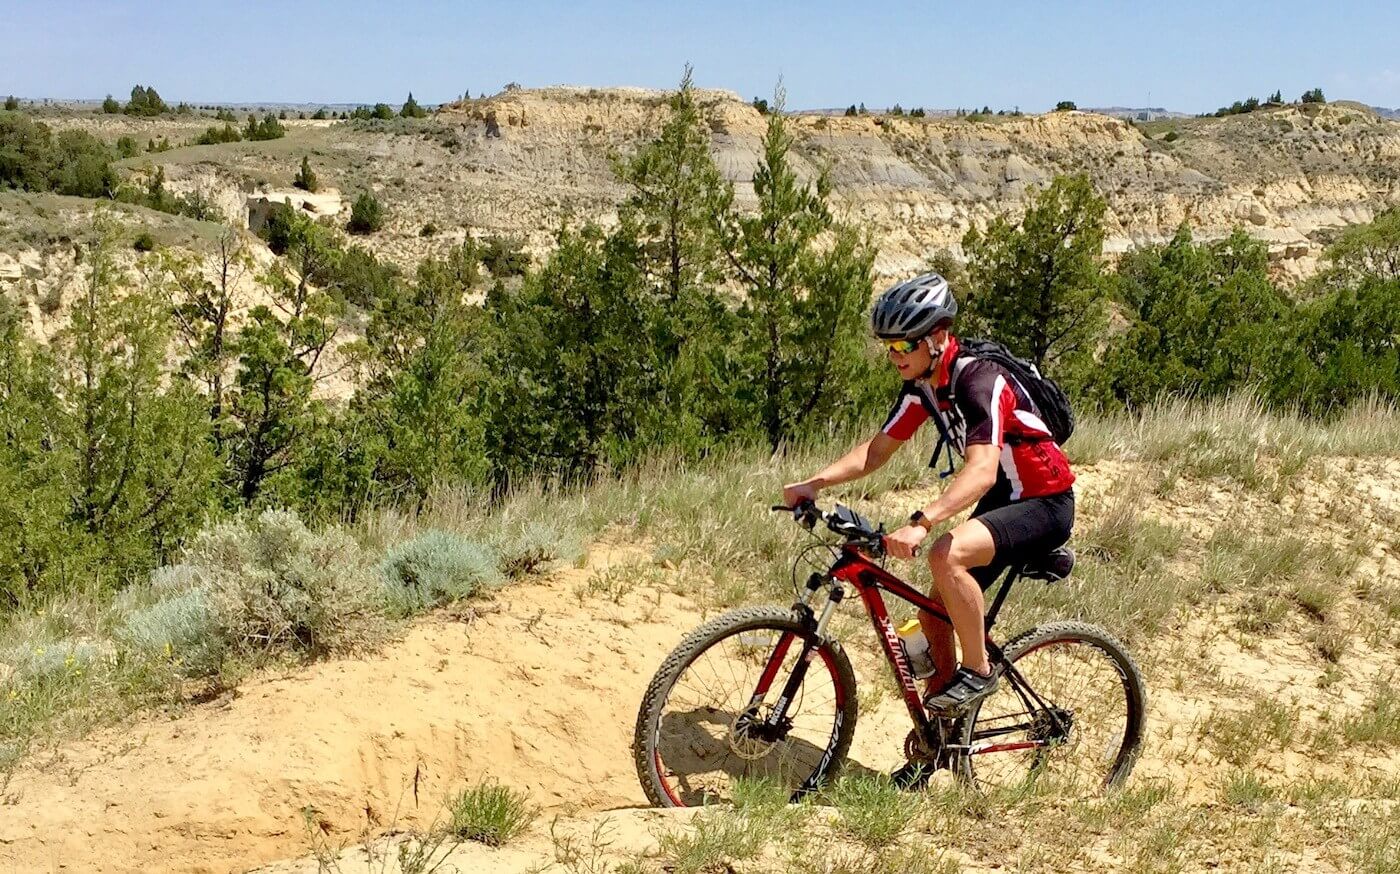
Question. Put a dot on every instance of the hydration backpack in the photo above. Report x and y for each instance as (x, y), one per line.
(1048, 397)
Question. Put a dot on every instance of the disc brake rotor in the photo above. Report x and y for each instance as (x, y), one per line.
(750, 737)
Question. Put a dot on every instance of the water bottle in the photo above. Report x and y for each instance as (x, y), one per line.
(915, 645)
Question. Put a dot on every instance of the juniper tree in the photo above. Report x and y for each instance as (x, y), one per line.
(411, 109)
(1036, 284)
(806, 281)
(281, 352)
(140, 464)
(675, 189)
(574, 396)
(204, 294)
(417, 420)
(305, 178)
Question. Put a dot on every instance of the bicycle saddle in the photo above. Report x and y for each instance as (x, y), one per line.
(1051, 567)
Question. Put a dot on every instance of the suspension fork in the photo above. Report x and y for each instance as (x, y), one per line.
(810, 645)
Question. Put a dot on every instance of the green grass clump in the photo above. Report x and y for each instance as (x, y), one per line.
(434, 568)
(1378, 721)
(715, 841)
(490, 813)
(1238, 737)
(1375, 844)
(873, 811)
(1245, 789)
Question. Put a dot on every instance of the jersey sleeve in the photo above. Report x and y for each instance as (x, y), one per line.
(906, 417)
(987, 402)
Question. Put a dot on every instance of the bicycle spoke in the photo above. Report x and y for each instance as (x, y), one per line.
(710, 735)
(1072, 732)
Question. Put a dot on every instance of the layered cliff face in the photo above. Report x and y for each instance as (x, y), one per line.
(1290, 175)
(524, 163)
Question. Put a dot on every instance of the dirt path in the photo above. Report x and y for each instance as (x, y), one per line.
(538, 690)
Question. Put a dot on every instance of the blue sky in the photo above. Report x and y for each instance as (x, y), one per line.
(1188, 55)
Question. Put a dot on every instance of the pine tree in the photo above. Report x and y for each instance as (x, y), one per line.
(411, 109)
(110, 106)
(800, 319)
(11, 103)
(1037, 283)
(305, 178)
(674, 184)
(366, 215)
(139, 449)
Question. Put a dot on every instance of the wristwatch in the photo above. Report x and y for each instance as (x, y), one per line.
(918, 518)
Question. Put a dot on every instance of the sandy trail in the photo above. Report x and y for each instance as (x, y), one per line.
(538, 689)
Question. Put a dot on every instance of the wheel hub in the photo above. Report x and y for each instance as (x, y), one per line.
(1052, 727)
(751, 737)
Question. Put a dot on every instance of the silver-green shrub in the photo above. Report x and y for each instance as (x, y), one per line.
(276, 583)
(535, 544)
(53, 662)
(183, 628)
(434, 568)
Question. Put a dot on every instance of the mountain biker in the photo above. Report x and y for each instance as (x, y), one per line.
(1013, 470)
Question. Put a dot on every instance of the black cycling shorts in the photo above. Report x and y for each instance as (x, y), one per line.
(1022, 530)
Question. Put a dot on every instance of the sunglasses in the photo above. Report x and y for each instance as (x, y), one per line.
(903, 347)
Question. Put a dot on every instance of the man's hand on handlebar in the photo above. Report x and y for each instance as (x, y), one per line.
(904, 542)
(796, 493)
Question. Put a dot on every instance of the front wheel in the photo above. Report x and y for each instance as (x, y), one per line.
(715, 713)
(1070, 714)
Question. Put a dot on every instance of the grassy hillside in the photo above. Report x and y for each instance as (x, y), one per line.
(1249, 560)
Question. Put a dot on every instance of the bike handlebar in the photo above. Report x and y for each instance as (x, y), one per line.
(855, 528)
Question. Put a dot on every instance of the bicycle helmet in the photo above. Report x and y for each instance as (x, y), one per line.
(913, 308)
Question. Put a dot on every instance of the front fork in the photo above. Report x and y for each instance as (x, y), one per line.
(776, 721)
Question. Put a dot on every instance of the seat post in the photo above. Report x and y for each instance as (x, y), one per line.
(1012, 574)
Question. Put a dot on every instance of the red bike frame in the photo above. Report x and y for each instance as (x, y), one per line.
(868, 578)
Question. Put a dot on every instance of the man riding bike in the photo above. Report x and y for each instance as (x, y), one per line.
(1013, 470)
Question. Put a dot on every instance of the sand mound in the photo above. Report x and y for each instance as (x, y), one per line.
(538, 689)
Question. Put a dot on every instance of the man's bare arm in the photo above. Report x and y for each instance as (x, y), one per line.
(865, 458)
(978, 475)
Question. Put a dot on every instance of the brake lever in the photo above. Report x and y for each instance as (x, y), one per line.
(804, 514)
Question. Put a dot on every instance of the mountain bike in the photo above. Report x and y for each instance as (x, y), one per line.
(767, 693)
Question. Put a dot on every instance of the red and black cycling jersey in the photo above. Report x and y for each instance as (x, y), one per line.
(980, 403)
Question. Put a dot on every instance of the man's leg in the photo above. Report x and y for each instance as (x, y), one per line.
(940, 646)
(969, 545)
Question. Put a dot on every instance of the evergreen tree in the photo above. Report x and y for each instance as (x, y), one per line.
(305, 178)
(851, 110)
(1065, 106)
(1206, 320)
(204, 309)
(1036, 284)
(1372, 249)
(37, 545)
(138, 451)
(11, 103)
(111, 106)
(366, 215)
(418, 419)
(801, 340)
(571, 373)
(411, 109)
(675, 183)
(280, 351)
(1313, 96)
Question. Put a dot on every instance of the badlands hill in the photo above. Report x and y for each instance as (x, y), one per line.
(523, 162)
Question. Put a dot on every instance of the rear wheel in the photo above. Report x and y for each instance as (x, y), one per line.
(705, 721)
(1076, 721)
